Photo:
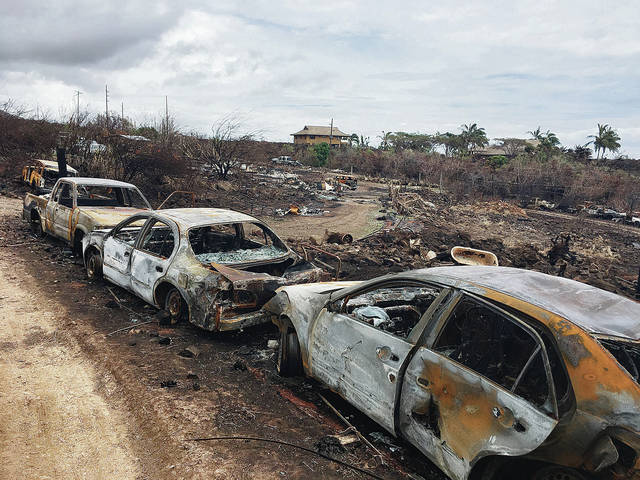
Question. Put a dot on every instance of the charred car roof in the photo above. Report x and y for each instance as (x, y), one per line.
(593, 309)
(101, 182)
(51, 165)
(193, 217)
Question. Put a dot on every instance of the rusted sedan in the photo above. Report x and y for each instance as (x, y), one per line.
(491, 372)
(211, 266)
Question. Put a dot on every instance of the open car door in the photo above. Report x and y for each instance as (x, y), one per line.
(483, 388)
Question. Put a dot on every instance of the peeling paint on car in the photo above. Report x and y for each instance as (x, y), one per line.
(457, 416)
(219, 297)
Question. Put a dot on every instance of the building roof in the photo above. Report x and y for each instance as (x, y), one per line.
(491, 150)
(595, 310)
(321, 131)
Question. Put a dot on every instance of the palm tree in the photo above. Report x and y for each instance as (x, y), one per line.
(473, 137)
(386, 139)
(354, 140)
(549, 139)
(606, 139)
(536, 134)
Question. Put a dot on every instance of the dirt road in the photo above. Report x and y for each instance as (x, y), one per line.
(55, 421)
(79, 401)
(355, 215)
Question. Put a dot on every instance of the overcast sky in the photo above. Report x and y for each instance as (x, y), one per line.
(413, 66)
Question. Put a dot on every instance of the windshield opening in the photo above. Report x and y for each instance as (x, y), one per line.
(104, 196)
(235, 243)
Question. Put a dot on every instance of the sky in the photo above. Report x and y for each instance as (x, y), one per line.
(415, 66)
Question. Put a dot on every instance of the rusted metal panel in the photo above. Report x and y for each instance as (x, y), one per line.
(463, 417)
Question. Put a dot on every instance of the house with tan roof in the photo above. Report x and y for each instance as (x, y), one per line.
(313, 134)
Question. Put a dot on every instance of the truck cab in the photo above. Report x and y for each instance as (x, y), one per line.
(76, 206)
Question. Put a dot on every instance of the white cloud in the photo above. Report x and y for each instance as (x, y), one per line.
(372, 66)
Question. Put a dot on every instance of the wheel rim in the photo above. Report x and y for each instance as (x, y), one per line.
(174, 305)
(91, 266)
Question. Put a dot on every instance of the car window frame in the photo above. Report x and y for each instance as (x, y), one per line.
(59, 191)
(122, 224)
(149, 224)
(416, 332)
(447, 313)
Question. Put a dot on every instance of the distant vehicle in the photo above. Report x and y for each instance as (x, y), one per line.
(44, 173)
(491, 372)
(213, 267)
(286, 160)
(78, 205)
(348, 181)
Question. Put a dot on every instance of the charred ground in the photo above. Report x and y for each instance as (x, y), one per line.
(227, 384)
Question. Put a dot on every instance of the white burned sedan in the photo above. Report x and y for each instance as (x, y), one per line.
(491, 372)
(211, 266)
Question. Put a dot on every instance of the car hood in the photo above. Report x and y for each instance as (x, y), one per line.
(109, 216)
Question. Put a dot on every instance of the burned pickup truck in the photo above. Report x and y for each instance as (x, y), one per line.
(211, 266)
(78, 205)
(491, 372)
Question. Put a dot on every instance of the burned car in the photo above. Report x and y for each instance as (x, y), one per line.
(211, 266)
(491, 372)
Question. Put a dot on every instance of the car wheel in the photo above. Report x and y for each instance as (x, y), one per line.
(175, 306)
(94, 266)
(556, 472)
(289, 358)
(36, 227)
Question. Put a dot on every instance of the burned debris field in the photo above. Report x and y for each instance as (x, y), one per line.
(199, 404)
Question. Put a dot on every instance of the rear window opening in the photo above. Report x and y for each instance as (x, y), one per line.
(626, 353)
(104, 196)
(235, 243)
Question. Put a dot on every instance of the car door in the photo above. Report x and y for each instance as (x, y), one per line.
(483, 388)
(150, 259)
(63, 209)
(52, 210)
(358, 344)
(117, 248)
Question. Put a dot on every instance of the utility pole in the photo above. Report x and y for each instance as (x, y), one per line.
(331, 133)
(166, 115)
(106, 106)
(78, 92)
(122, 112)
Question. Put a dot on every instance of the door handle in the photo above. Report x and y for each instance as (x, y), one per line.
(159, 269)
(385, 354)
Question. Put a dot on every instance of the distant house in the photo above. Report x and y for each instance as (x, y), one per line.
(510, 147)
(312, 135)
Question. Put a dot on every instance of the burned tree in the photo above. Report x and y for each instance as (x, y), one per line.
(222, 150)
